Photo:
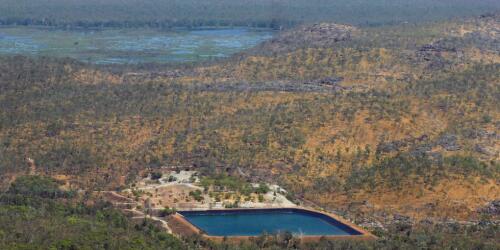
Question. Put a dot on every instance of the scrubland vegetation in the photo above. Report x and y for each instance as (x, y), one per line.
(394, 124)
(36, 214)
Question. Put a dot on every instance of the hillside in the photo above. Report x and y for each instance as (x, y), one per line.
(374, 123)
(36, 214)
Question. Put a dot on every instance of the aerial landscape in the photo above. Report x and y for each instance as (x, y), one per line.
(250, 124)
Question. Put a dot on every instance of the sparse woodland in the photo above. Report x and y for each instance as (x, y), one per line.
(379, 119)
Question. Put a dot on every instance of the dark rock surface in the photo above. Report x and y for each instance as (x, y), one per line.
(448, 142)
(414, 142)
(483, 150)
(421, 150)
(492, 208)
(310, 36)
(330, 81)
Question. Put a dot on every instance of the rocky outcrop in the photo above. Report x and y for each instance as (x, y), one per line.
(333, 83)
(492, 208)
(437, 47)
(421, 150)
(483, 150)
(329, 81)
(480, 134)
(396, 146)
(310, 36)
(448, 142)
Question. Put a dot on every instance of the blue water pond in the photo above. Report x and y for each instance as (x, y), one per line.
(255, 222)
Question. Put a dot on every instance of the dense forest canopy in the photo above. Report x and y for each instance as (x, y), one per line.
(269, 13)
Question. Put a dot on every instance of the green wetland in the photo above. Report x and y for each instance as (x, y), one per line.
(129, 46)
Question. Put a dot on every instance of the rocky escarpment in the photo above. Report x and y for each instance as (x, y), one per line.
(310, 36)
(492, 208)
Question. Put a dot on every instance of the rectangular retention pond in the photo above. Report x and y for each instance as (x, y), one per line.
(255, 222)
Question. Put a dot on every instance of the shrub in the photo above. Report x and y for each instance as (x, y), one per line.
(156, 175)
(197, 195)
(261, 198)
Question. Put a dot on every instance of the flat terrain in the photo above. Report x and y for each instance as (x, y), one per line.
(257, 13)
(129, 46)
(176, 190)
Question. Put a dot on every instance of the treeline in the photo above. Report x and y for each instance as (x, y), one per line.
(36, 214)
(272, 23)
(398, 236)
(257, 13)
